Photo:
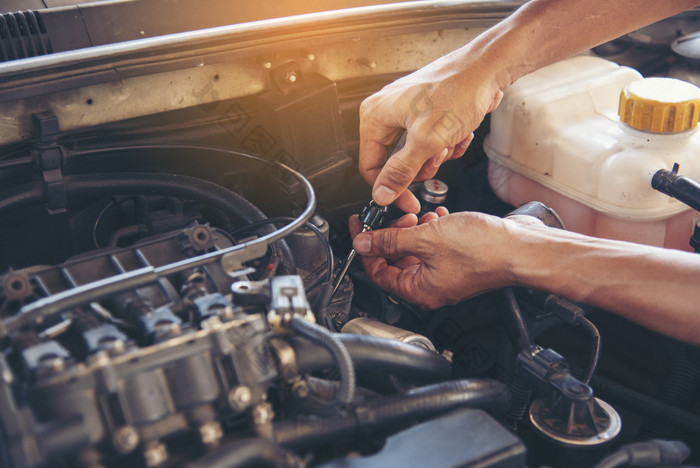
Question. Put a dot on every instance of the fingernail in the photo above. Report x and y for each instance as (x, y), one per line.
(384, 195)
(362, 244)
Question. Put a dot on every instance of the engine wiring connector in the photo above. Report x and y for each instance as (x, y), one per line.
(284, 297)
(288, 300)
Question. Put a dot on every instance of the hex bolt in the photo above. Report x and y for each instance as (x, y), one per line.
(155, 454)
(125, 439)
(55, 364)
(100, 358)
(116, 347)
(210, 433)
(240, 398)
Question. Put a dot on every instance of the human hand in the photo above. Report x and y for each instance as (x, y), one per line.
(439, 105)
(440, 260)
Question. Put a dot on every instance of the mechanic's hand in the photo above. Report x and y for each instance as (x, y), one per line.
(440, 106)
(442, 260)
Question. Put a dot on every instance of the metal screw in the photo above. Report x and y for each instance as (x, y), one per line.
(267, 65)
(126, 439)
(310, 57)
(240, 398)
(155, 454)
(210, 433)
(291, 77)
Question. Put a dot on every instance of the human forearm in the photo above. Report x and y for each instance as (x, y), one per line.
(460, 255)
(651, 286)
(542, 32)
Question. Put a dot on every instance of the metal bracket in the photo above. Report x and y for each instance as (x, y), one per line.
(49, 158)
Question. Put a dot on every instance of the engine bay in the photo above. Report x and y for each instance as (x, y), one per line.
(166, 272)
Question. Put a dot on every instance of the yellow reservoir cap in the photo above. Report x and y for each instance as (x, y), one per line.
(660, 105)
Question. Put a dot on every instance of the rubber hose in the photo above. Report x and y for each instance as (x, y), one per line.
(396, 410)
(340, 355)
(148, 183)
(644, 405)
(247, 453)
(375, 354)
(678, 388)
(650, 453)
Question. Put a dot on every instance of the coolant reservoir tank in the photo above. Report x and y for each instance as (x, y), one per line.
(585, 136)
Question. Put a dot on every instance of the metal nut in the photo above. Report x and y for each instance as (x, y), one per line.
(240, 398)
(210, 433)
(155, 454)
(126, 439)
(262, 414)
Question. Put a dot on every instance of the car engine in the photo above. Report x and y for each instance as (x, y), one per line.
(173, 216)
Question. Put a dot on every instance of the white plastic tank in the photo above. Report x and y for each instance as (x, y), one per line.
(568, 136)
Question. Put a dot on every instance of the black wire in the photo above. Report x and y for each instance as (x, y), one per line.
(594, 355)
(515, 323)
(346, 368)
(309, 225)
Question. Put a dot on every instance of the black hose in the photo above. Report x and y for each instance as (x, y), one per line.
(397, 410)
(91, 185)
(650, 453)
(514, 321)
(213, 194)
(594, 354)
(679, 388)
(679, 187)
(247, 453)
(644, 405)
(341, 357)
(375, 354)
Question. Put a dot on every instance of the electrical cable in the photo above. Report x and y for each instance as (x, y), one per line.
(338, 351)
(515, 323)
(594, 354)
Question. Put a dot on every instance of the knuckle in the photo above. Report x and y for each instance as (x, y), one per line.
(399, 171)
(388, 242)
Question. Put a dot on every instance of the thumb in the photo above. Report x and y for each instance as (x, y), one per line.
(389, 243)
(400, 171)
